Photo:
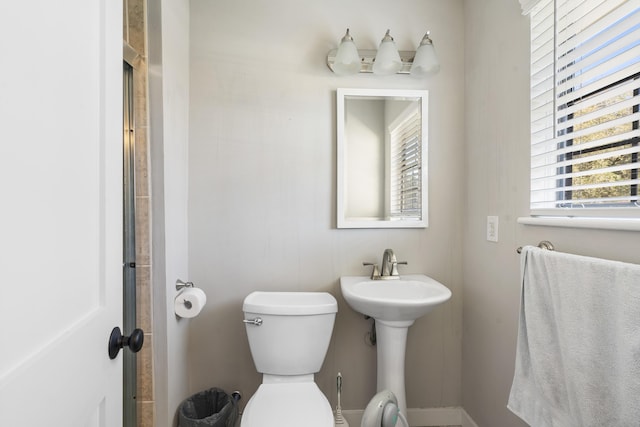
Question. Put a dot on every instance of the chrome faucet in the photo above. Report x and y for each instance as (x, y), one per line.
(389, 263)
(389, 267)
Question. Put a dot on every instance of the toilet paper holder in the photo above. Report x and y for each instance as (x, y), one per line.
(189, 298)
(180, 285)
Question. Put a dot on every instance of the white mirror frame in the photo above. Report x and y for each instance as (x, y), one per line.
(348, 222)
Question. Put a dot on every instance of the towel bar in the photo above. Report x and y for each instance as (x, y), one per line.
(545, 244)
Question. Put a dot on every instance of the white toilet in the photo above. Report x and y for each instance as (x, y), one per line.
(289, 334)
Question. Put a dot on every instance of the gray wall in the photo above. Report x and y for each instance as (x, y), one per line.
(497, 162)
(169, 137)
(262, 184)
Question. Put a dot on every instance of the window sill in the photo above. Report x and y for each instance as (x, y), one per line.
(627, 224)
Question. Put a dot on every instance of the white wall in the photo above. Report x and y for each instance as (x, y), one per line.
(169, 113)
(262, 184)
(497, 147)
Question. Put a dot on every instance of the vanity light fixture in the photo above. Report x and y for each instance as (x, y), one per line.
(387, 60)
(347, 58)
(425, 62)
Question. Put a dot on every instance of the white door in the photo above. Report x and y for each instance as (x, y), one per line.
(60, 212)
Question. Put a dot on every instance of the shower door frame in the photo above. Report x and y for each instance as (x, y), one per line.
(129, 396)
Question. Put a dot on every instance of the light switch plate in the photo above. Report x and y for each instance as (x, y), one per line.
(492, 228)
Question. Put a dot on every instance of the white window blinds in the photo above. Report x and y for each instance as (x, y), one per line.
(585, 96)
(406, 166)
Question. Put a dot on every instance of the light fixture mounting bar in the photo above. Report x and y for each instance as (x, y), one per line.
(367, 56)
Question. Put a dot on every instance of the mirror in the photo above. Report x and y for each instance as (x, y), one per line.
(382, 158)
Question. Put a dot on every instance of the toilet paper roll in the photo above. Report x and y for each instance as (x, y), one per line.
(190, 302)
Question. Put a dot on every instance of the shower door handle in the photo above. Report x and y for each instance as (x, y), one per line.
(118, 341)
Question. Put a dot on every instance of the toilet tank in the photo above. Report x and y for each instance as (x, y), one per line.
(294, 335)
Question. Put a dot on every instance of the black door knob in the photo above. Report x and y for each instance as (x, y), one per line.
(117, 341)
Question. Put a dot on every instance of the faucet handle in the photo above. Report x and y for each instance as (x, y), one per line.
(375, 273)
(394, 267)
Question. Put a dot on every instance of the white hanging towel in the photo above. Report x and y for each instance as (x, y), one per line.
(578, 351)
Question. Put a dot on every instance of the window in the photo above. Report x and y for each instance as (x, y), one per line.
(585, 98)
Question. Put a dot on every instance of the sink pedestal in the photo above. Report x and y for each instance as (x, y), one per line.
(395, 305)
(392, 343)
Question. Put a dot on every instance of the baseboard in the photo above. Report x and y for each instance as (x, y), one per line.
(423, 417)
(466, 420)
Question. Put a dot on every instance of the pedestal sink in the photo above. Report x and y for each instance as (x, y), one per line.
(395, 305)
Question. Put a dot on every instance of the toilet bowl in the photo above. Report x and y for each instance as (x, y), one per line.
(289, 334)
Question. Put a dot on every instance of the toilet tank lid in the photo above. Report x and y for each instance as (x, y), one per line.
(290, 303)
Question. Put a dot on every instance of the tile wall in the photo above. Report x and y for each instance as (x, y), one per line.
(134, 32)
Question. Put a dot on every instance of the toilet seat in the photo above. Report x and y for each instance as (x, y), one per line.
(283, 404)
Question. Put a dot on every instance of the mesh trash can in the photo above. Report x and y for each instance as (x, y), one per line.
(209, 408)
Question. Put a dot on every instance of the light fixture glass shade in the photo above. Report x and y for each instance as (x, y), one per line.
(387, 60)
(347, 58)
(425, 62)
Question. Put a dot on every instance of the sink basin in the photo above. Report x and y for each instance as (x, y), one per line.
(407, 299)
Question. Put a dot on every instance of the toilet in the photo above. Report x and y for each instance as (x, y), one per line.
(289, 334)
